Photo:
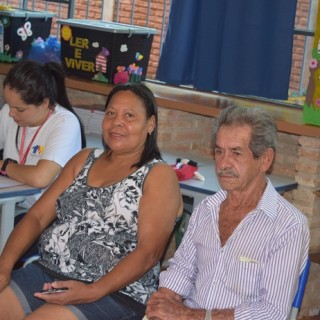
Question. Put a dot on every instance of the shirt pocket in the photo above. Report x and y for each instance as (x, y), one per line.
(243, 277)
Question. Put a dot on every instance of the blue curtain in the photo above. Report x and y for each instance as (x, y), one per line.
(230, 46)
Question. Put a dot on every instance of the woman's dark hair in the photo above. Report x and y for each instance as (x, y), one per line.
(36, 82)
(151, 149)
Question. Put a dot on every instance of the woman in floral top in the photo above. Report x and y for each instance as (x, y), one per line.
(103, 224)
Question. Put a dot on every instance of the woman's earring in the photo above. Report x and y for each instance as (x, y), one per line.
(150, 133)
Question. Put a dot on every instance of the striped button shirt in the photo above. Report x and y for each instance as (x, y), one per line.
(255, 273)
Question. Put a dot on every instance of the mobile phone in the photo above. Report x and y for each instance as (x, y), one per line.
(53, 290)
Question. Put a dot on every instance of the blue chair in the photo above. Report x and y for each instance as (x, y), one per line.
(300, 292)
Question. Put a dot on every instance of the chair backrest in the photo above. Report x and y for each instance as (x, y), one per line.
(300, 292)
(31, 259)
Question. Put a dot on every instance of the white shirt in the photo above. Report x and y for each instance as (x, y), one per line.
(58, 139)
(256, 272)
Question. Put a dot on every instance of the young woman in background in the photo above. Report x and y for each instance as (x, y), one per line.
(39, 130)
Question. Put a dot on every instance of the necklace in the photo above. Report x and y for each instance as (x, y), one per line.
(23, 154)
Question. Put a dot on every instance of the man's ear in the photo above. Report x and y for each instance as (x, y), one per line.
(267, 159)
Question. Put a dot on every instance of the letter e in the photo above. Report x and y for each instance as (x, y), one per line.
(77, 53)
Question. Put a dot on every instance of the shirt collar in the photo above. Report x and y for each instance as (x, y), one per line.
(269, 200)
(267, 203)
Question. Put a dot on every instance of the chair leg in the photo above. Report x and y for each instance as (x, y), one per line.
(294, 313)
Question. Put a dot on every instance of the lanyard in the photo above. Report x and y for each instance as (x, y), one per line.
(23, 155)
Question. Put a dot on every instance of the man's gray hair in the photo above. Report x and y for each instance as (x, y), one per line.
(264, 129)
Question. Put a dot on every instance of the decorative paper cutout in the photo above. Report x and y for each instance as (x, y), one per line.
(19, 54)
(101, 65)
(121, 76)
(135, 72)
(25, 31)
(139, 56)
(102, 59)
(123, 48)
(311, 107)
(66, 33)
(5, 21)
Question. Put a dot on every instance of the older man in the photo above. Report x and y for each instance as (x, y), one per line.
(245, 246)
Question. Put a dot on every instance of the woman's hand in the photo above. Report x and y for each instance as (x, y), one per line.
(77, 292)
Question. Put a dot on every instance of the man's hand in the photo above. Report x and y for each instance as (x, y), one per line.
(167, 305)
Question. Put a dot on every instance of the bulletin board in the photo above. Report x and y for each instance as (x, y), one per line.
(311, 108)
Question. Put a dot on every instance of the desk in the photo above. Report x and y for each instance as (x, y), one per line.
(198, 190)
(8, 198)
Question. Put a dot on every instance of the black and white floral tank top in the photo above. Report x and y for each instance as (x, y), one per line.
(96, 228)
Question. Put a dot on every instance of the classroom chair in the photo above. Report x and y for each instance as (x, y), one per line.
(300, 292)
